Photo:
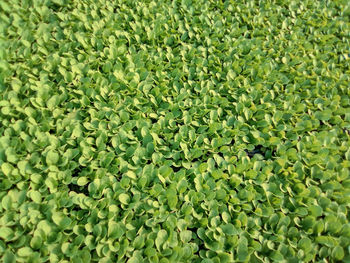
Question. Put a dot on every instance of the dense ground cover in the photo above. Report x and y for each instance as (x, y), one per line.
(174, 131)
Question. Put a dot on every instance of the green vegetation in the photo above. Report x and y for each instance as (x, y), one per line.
(174, 131)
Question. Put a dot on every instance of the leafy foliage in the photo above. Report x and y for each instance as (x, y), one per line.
(174, 131)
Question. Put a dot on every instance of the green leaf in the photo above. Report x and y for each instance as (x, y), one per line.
(323, 115)
(182, 186)
(124, 199)
(325, 240)
(53, 102)
(61, 220)
(165, 171)
(83, 180)
(225, 257)
(242, 249)
(226, 217)
(24, 252)
(11, 155)
(316, 210)
(107, 159)
(185, 236)
(274, 140)
(115, 230)
(9, 257)
(6, 233)
(277, 256)
(36, 242)
(338, 253)
(133, 260)
(6, 202)
(139, 242)
(36, 196)
(229, 229)
(52, 157)
(162, 236)
(6, 168)
(305, 244)
(131, 175)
